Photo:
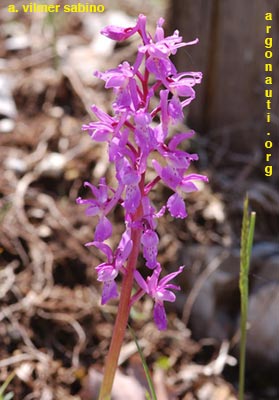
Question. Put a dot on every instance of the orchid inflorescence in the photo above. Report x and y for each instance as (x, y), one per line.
(133, 138)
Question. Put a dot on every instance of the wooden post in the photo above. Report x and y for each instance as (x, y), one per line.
(231, 100)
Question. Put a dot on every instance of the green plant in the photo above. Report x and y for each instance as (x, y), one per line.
(247, 235)
(152, 394)
(10, 395)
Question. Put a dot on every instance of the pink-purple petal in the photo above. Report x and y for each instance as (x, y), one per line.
(171, 276)
(176, 206)
(109, 292)
(177, 139)
(165, 295)
(104, 248)
(103, 229)
(160, 317)
(132, 198)
(140, 281)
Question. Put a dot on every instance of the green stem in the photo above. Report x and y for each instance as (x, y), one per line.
(123, 311)
(248, 227)
(242, 353)
(6, 384)
(145, 367)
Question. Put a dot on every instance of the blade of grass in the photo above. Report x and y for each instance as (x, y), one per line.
(4, 387)
(152, 394)
(247, 235)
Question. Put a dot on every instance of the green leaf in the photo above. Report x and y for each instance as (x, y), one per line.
(4, 386)
(152, 394)
(247, 235)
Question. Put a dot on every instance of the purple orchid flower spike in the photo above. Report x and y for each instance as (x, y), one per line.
(160, 291)
(149, 97)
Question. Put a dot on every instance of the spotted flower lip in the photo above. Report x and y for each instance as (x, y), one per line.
(149, 241)
(149, 101)
(176, 206)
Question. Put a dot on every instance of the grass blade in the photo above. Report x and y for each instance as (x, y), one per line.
(247, 235)
(152, 394)
(4, 387)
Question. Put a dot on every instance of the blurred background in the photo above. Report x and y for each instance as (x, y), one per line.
(53, 333)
